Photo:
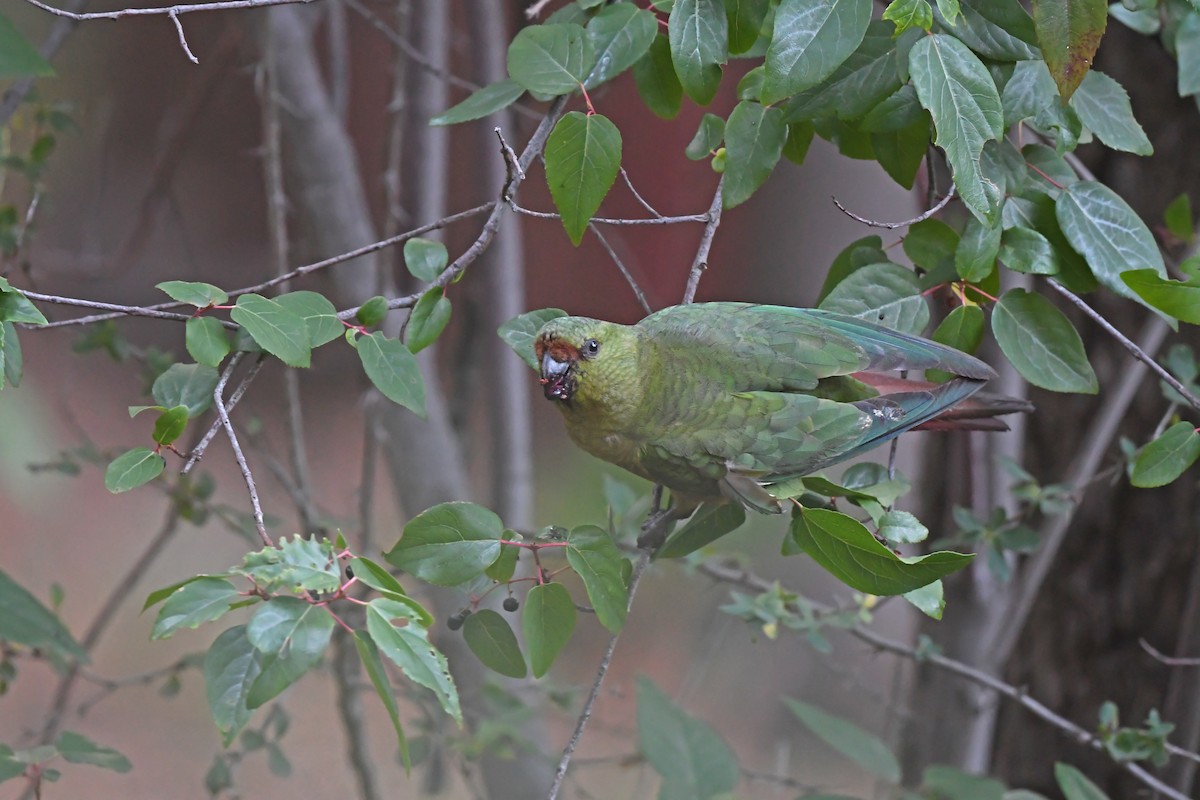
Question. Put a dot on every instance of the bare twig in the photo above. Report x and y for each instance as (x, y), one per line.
(171, 11)
(700, 262)
(893, 225)
(120, 310)
(512, 168)
(535, 9)
(641, 200)
(633, 284)
(187, 51)
(586, 714)
(659, 220)
(1128, 344)
(1170, 661)
(251, 488)
(198, 451)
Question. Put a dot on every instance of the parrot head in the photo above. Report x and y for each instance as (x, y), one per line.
(570, 349)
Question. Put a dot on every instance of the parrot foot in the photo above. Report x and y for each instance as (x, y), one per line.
(658, 525)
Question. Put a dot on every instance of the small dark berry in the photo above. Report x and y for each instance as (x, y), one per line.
(454, 623)
(511, 604)
(349, 573)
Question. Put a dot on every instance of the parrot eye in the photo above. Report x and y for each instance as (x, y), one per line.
(591, 347)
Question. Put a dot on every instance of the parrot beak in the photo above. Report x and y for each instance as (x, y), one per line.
(557, 382)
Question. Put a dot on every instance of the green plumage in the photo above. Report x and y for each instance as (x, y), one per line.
(727, 398)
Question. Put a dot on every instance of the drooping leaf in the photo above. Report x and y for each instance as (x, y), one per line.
(292, 634)
(15, 306)
(975, 257)
(1075, 785)
(170, 425)
(1187, 53)
(930, 243)
(1069, 33)
(930, 599)
(1176, 299)
(481, 103)
(1178, 218)
(620, 35)
(132, 469)
(962, 329)
(429, 318)
(204, 599)
(1109, 234)
(519, 331)
(368, 653)
(230, 667)
(656, 80)
(691, 757)
(493, 642)
(710, 522)
(862, 747)
(583, 156)
(1103, 107)
(394, 370)
(206, 340)
(27, 622)
(1167, 457)
(698, 32)
(76, 748)
(811, 39)
(280, 332)
(956, 88)
(550, 59)
(189, 385)
(1042, 344)
(19, 58)
(846, 549)
(754, 138)
(448, 544)
(708, 137)
(11, 361)
(409, 648)
(548, 621)
(592, 554)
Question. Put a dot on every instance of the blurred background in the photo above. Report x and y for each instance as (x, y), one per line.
(164, 178)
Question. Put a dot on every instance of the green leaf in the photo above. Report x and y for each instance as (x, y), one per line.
(519, 332)
(862, 747)
(26, 621)
(394, 370)
(656, 80)
(190, 385)
(19, 58)
(505, 566)
(230, 667)
(699, 36)
(1001, 30)
(949, 782)
(962, 329)
(15, 306)
(1026, 250)
(856, 255)
(1109, 234)
(620, 35)
(583, 156)
(78, 749)
(448, 544)
(592, 554)
(691, 757)
(482, 103)
(1143, 20)
(977, 250)
(280, 332)
(297, 564)
(548, 621)
(901, 527)
(1179, 300)
(812, 38)
(930, 599)
(409, 648)
(207, 341)
(710, 522)
(133, 468)
(204, 599)
(170, 425)
(1028, 91)
(799, 137)
(493, 642)
(905, 14)
(1041, 343)
(956, 88)
(372, 312)
(292, 635)
(885, 294)
(846, 549)
(1187, 52)
(425, 258)
(550, 59)
(368, 653)
(1178, 217)
(745, 19)
(1103, 107)
(1069, 33)
(708, 137)
(929, 243)
(1165, 459)
(754, 138)
(1075, 785)
(319, 315)
(428, 319)
(10, 355)
(194, 293)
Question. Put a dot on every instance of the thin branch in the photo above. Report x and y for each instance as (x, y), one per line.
(700, 262)
(1170, 661)
(586, 714)
(641, 200)
(893, 225)
(659, 220)
(251, 488)
(535, 9)
(198, 451)
(121, 310)
(187, 51)
(1128, 344)
(171, 11)
(637, 290)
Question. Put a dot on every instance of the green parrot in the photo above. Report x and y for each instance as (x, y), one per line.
(725, 400)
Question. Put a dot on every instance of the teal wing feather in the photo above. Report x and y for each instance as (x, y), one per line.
(749, 411)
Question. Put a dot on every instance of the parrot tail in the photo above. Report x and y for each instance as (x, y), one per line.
(977, 414)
